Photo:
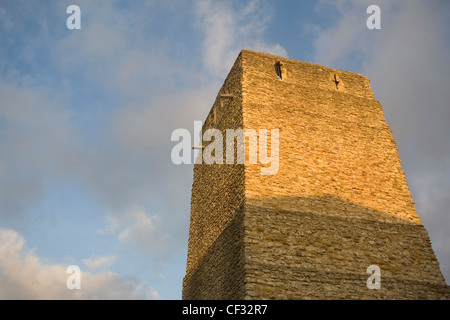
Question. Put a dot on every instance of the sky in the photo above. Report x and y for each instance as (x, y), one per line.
(86, 118)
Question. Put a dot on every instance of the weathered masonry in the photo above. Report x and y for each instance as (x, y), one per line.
(338, 204)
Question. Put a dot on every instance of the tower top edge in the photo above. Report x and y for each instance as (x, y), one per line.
(245, 54)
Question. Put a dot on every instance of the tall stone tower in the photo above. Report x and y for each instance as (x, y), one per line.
(338, 204)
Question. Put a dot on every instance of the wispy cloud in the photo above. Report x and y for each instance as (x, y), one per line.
(25, 276)
(95, 262)
(228, 28)
(139, 229)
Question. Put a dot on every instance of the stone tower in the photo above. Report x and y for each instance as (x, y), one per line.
(338, 204)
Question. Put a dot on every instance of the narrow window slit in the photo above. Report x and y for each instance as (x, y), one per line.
(336, 81)
(279, 70)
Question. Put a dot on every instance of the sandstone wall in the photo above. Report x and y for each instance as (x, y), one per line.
(338, 204)
(217, 197)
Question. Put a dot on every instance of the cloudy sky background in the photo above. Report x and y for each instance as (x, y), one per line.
(86, 117)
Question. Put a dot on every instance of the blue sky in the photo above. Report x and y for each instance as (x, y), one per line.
(86, 117)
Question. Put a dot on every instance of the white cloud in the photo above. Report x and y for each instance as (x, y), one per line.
(24, 275)
(139, 229)
(227, 30)
(95, 262)
(144, 231)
